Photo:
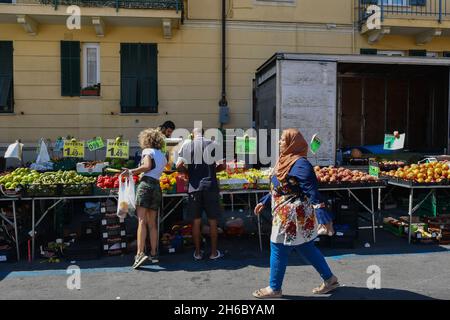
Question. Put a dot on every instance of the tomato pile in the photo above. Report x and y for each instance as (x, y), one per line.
(112, 182)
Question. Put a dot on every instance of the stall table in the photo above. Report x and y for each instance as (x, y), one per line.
(177, 199)
(412, 187)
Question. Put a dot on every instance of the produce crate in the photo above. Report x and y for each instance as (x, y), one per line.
(8, 193)
(112, 233)
(65, 164)
(103, 192)
(84, 189)
(263, 184)
(396, 229)
(416, 227)
(119, 246)
(111, 219)
(172, 190)
(97, 169)
(233, 184)
(412, 183)
(351, 184)
(41, 190)
(7, 255)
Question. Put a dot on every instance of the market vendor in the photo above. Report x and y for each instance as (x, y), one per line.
(167, 128)
(203, 190)
(293, 198)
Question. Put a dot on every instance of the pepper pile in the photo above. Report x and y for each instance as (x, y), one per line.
(168, 181)
(112, 182)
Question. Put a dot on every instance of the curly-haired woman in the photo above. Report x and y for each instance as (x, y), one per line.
(148, 193)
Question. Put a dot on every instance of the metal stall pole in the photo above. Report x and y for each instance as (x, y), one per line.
(379, 199)
(15, 230)
(32, 227)
(259, 225)
(411, 198)
(157, 230)
(373, 216)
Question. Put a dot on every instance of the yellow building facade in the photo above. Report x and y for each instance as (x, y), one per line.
(189, 45)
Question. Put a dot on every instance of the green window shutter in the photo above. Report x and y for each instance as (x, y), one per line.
(128, 77)
(368, 51)
(148, 83)
(138, 78)
(5, 93)
(6, 76)
(70, 68)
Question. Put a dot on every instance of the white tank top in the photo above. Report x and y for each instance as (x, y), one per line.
(160, 162)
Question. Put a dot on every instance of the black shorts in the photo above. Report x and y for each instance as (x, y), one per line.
(204, 200)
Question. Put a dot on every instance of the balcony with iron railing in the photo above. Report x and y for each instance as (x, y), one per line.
(127, 4)
(98, 13)
(436, 10)
(423, 18)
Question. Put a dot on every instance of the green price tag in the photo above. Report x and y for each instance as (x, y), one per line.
(95, 144)
(389, 140)
(73, 149)
(315, 143)
(374, 169)
(245, 145)
(118, 149)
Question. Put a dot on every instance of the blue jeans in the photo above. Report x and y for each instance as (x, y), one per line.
(279, 258)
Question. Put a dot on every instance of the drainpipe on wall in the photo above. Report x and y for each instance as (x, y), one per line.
(223, 103)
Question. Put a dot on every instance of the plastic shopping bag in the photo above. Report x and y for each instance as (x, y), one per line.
(127, 197)
(14, 151)
(43, 156)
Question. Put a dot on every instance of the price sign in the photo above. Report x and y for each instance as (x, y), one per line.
(315, 143)
(374, 169)
(245, 145)
(393, 143)
(73, 149)
(95, 144)
(117, 149)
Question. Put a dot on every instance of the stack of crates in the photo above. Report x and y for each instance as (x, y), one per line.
(113, 230)
(345, 224)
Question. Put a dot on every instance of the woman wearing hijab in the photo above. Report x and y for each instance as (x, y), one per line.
(294, 197)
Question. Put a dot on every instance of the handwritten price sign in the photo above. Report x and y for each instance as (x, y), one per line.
(73, 149)
(118, 149)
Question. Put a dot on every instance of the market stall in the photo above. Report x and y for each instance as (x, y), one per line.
(430, 176)
(234, 183)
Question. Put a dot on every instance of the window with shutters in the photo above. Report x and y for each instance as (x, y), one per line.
(70, 68)
(91, 69)
(138, 78)
(6, 77)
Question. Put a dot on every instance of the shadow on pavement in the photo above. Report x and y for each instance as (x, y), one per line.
(239, 253)
(355, 293)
